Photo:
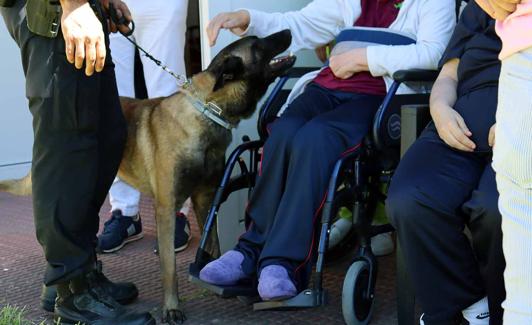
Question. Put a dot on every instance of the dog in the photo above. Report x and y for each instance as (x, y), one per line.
(176, 145)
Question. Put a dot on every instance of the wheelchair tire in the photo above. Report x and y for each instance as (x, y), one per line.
(357, 310)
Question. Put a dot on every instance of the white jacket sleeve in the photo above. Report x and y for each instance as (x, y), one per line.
(315, 25)
(437, 19)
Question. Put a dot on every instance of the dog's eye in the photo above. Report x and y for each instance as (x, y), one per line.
(228, 76)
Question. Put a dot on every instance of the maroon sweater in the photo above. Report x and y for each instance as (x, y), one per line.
(375, 13)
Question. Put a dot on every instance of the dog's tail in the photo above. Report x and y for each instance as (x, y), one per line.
(18, 186)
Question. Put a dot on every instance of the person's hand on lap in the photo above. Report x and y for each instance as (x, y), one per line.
(452, 128)
(345, 65)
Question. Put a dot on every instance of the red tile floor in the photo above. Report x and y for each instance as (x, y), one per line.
(22, 265)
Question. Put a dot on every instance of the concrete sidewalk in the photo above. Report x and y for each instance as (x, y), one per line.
(22, 266)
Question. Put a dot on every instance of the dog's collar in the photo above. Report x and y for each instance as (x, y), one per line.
(209, 109)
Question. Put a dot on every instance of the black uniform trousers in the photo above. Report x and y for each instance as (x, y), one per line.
(79, 136)
(297, 162)
(437, 191)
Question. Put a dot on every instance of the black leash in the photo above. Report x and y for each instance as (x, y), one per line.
(181, 79)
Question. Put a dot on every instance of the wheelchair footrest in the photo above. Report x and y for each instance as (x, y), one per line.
(309, 298)
(245, 289)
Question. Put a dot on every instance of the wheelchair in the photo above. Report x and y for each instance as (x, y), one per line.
(355, 181)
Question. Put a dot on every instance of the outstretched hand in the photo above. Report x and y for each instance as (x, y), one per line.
(237, 22)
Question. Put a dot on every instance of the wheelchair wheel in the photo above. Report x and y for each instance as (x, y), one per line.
(356, 308)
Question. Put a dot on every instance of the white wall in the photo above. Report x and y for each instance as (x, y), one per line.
(232, 212)
(16, 135)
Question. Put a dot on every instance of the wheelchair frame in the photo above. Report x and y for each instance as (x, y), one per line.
(355, 166)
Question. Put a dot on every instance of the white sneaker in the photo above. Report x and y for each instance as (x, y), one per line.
(478, 313)
(339, 229)
(382, 244)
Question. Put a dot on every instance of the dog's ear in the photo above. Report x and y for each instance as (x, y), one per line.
(231, 67)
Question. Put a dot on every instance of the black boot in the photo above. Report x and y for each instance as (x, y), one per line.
(122, 292)
(90, 304)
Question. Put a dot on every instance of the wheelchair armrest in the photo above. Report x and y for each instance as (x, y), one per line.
(298, 72)
(415, 75)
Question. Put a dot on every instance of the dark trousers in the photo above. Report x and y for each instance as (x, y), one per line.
(437, 191)
(79, 135)
(298, 158)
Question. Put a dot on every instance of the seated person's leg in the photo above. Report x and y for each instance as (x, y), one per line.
(284, 262)
(347, 126)
(268, 189)
(485, 226)
(424, 201)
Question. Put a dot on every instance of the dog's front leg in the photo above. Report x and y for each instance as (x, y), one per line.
(165, 216)
(201, 201)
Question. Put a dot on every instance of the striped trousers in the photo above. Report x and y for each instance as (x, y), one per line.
(513, 162)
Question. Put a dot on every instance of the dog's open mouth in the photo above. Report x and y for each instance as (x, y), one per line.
(282, 63)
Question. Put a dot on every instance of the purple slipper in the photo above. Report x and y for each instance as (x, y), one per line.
(227, 270)
(275, 284)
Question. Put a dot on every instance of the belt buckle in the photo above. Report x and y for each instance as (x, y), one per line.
(54, 30)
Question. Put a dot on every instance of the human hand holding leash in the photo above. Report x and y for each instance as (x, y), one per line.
(498, 9)
(120, 17)
(237, 22)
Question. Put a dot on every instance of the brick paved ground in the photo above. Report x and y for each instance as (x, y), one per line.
(21, 269)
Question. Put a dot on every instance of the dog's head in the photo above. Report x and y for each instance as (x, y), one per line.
(243, 71)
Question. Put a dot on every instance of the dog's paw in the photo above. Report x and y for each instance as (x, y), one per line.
(173, 316)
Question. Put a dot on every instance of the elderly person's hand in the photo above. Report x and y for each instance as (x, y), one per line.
(237, 22)
(498, 9)
(345, 65)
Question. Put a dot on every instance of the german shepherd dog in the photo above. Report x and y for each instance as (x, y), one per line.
(174, 151)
